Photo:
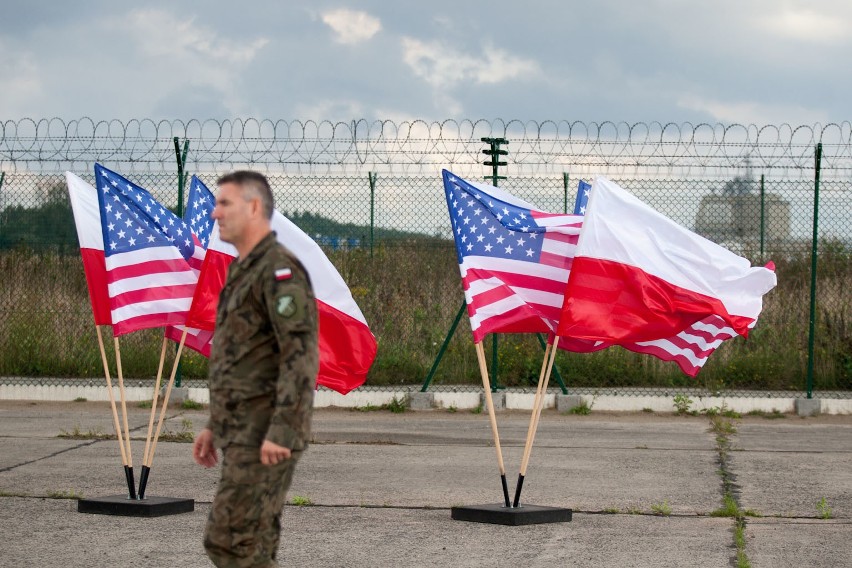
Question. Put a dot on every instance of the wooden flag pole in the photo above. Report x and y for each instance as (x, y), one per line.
(486, 384)
(120, 374)
(143, 477)
(538, 405)
(114, 411)
(532, 426)
(144, 482)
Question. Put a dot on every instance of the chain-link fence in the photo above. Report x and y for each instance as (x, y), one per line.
(371, 195)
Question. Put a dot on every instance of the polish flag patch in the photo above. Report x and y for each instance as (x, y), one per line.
(283, 274)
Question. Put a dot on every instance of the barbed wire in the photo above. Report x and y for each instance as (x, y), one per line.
(419, 146)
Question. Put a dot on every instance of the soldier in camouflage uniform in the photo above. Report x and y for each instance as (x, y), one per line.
(263, 368)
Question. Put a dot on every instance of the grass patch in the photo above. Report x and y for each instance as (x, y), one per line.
(729, 508)
(184, 436)
(395, 405)
(648, 410)
(300, 501)
(13, 494)
(662, 509)
(582, 409)
(91, 434)
(476, 409)
(81, 399)
(682, 404)
(145, 404)
(452, 409)
(612, 510)
(722, 426)
(739, 542)
(775, 414)
(64, 495)
(189, 404)
(633, 511)
(823, 509)
(404, 297)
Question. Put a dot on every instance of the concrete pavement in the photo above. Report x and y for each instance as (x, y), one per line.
(381, 485)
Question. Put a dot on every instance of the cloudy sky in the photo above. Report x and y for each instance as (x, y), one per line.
(761, 61)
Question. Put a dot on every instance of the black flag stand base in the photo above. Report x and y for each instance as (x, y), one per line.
(123, 506)
(514, 516)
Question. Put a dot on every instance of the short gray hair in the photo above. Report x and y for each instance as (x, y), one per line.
(253, 185)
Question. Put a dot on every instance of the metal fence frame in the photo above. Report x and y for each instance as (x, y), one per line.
(388, 158)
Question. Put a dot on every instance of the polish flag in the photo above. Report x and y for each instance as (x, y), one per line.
(87, 218)
(347, 346)
(638, 276)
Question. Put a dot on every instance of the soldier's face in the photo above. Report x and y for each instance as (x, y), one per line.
(233, 212)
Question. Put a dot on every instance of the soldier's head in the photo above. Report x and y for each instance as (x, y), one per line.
(243, 209)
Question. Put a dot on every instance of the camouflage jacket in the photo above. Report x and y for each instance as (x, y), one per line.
(265, 355)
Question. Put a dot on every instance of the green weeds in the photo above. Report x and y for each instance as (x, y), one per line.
(823, 509)
(91, 434)
(682, 404)
(300, 501)
(582, 409)
(47, 331)
(4, 493)
(662, 509)
(184, 435)
(71, 494)
(396, 405)
(773, 415)
(189, 404)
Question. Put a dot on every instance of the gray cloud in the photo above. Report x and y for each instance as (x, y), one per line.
(761, 61)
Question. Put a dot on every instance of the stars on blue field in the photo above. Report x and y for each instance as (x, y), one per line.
(486, 226)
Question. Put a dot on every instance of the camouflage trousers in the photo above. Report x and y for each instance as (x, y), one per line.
(243, 527)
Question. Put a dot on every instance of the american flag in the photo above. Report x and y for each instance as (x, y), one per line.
(583, 191)
(690, 348)
(197, 216)
(514, 260)
(146, 247)
(198, 209)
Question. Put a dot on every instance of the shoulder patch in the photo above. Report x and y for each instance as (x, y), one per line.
(283, 274)
(286, 306)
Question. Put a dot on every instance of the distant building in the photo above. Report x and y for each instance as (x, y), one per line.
(734, 216)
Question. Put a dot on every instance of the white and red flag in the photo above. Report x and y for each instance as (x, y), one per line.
(87, 218)
(638, 278)
(515, 261)
(347, 346)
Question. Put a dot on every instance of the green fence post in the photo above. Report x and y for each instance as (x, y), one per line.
(181, 163)
(565, 190)
(372, 177)
(443, 349)
(555, 370)
(762, 217)
(494, 152)
(812, 323)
